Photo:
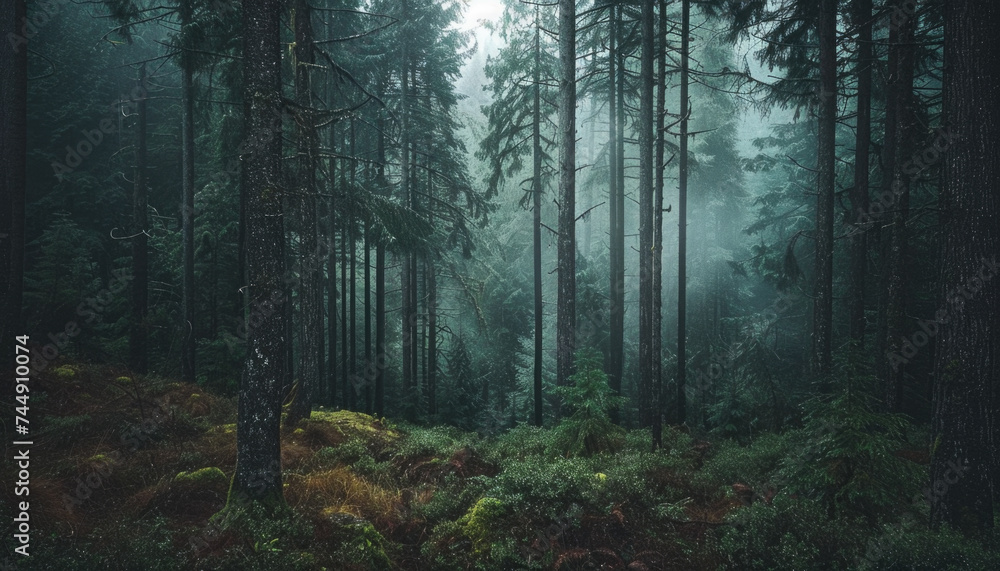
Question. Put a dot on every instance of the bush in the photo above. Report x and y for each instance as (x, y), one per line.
(754, 465)
(438, 441)
(916, 547)
(544, 487)
(519, 443)
(790, 534)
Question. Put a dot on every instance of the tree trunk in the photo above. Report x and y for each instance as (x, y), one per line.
(138, 350)
(904, 130)
(432, 365)
(347, 389)
(406, 278)
(859, 193)
(661, 102)
(380, 323)
(536, 227)
(368, 321)
(646, 217)
(964, 467)
(353, 288)
(258, 444)
(310, 316)
(332, 319)
(187, 206)
(616, 309)
(682, 220)
(825, 183)
(566, 252)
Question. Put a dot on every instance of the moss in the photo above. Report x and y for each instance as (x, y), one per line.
(224, 428)
(123, 380)
(480, 522)
(64, 372)
(354, 422)
(100, 459)
(204, 478)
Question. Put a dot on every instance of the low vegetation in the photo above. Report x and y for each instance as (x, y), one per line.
(140, 482)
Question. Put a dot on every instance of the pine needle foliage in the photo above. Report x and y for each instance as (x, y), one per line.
(848, 458)
(588, 429)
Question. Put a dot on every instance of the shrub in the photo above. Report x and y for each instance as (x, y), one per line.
(519, 443)
(916, 547)
(754, 465)
(439, 441)
(790, 534)
(544, 487)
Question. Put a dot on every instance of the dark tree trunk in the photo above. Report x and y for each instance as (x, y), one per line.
(332, 319)
(859, 193)
(380, 356)
(430, 286)
(138, 350)
(566, 251)
(964, 468)
(310, 311)
(661, 102)
(646, 217)
(536, 227)
(616, 309)
(13, 174)
(353, 288)
(187, 206)
(682, 221)
(406, 278)
(904, 130)
(347, 391)
(331, 278)
(368, 321)
(347, 219)
(380, 322)
(258, 443)
(825, 183)
(619, 231)
(432, 365)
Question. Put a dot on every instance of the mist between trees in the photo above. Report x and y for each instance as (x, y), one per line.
(724, 267)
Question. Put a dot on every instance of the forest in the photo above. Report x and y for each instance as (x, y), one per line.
(525, 284)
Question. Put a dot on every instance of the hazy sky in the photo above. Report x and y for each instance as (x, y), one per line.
(481, 10)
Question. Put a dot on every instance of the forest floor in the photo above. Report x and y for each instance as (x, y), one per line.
(128, 473)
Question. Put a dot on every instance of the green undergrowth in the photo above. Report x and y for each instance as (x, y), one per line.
(834, 492)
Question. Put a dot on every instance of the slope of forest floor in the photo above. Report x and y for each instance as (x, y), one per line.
(128, 472)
